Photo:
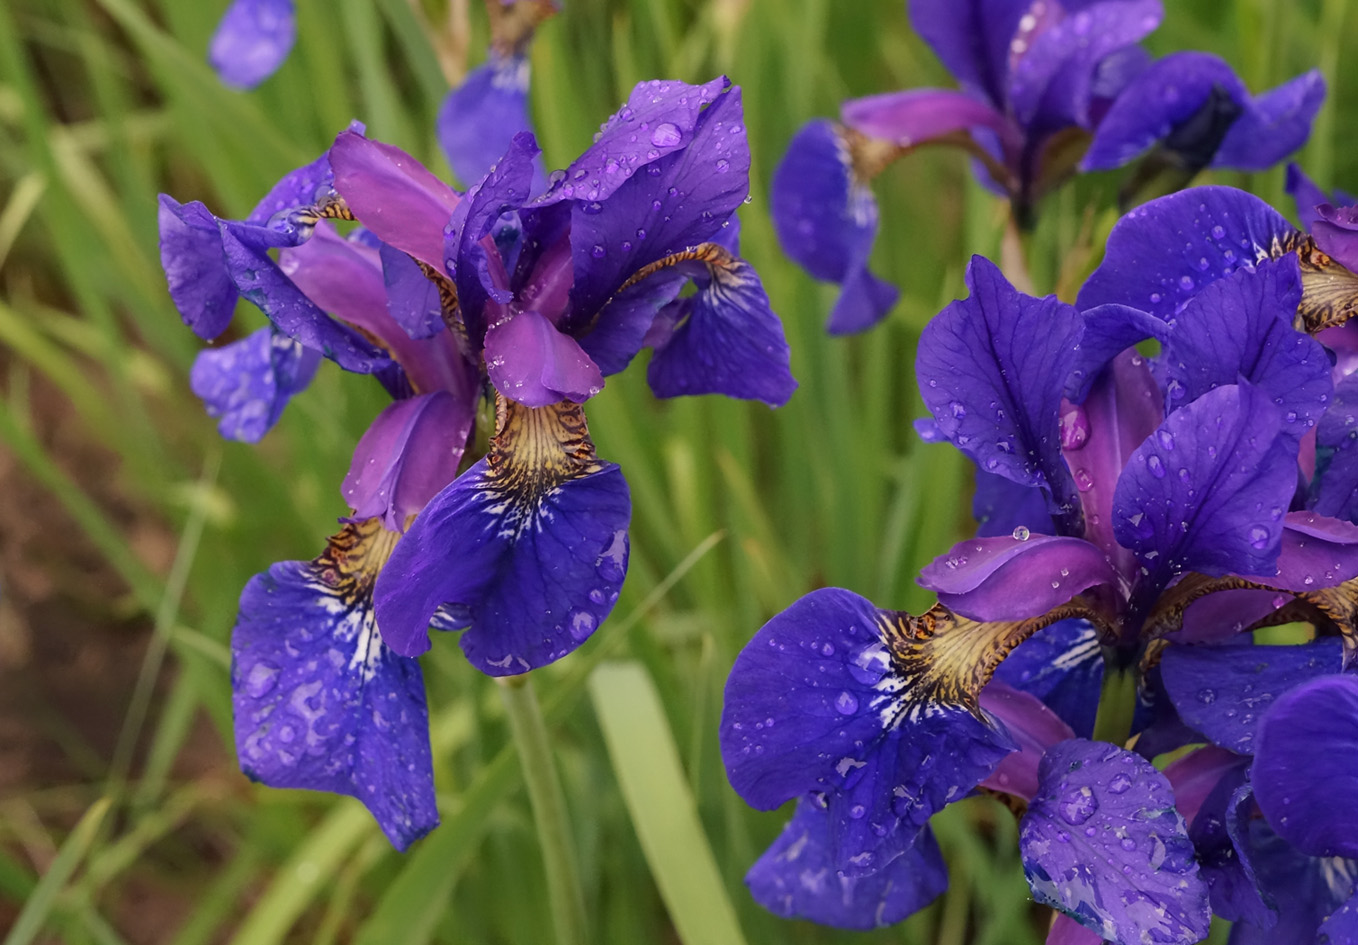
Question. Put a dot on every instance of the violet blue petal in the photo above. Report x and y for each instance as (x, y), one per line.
(191, 255)
(1316, 552)
(480, 117)
(1223, 692)
(1109, 330)
(1336, 233)
(1063, 666)
(1034, 728)
(973, 39)
(681, 200)
(1219, 833)
(321, 703)
(1221, 617)
(1208, 490)
(796, 878)
(1155, 252)
(412, 299)
(252, 40)
(826, 220)
(1305, 890)
(1335, 484)
(393, 195)
(474, 262)
(528, 360)
(1241, 326)
(1001, 505)
(821, 672)
(1195, 775)
(1273, 125)
(248, 382)
(918, 116)
(298, 188)
(1014, 577)
(1099, 809)
(731, 342)
(1167, 96)
(1306, 195)
(1156, 722)
(1341, 927)
(1051, 83)
(659, 119)
(1121, 409)
(1306, 757)
(991, 369)
(537, 573)
(406, 457)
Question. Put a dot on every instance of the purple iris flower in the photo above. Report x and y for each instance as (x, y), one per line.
(1141, 499)
(252, 40)
(1279, 854)
(446, 298)
(1035, 78)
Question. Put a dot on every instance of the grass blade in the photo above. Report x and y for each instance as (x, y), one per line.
(39, 905)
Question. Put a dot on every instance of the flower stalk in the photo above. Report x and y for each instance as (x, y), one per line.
(549, 809)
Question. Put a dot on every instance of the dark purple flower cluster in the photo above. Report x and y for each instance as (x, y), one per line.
(1047, 88)
(526, 297)
(1137, 510)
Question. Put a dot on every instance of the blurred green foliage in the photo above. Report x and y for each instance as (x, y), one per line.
(738, 510)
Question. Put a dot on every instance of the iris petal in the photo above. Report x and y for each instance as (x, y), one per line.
(191, 255)
(319, 701)
(1219, 832)
(797, 878)
(529, 545)
(480, 117)
(1100, 809)
(248, 382)
(252, 40)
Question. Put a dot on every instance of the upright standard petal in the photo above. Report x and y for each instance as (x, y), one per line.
(481, 116)
(393, 195)
(826, 220)
(658, 119)
(1103, 843)
(797, 878)
(252, 40)
(1162, 253)
(1306, 757)
(991, 369)
(528, 548)
(1208, 490)
(973, 38)
(248, 382)
(319, 701)
(1241, 326)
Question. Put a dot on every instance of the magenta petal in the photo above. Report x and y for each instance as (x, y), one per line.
(530, 361)
(1034, 728)
(1316, 552)
(1066, 931)
(916, 116)
(406, 457)
(1305, 770)
(1013, 578)
(393, 195)
(1194, 776)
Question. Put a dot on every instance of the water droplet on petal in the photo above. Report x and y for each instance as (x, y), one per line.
(1021, 533)
(846, 703)
(261, 679)
(1077, 806)
(666, 135)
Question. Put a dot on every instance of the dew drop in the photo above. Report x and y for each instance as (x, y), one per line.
(261, 679)
(1119, 784)
(846, 703)
(1156, 466)
(1077, 806)
(1021, 533)
(1259, 537)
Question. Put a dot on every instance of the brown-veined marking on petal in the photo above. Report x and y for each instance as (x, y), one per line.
(449, 308)
(534, 451)
(1338, 607)
(1329, 291)
(1167, 615)
(332, 207)
(942, 659)
(353, 557)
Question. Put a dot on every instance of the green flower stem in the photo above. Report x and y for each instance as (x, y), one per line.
(1117, 704)
(549, 809)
